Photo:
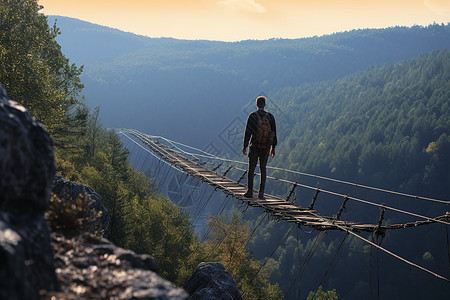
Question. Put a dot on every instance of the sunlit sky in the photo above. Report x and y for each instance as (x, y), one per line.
(234, 20)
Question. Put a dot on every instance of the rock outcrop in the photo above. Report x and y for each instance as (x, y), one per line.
(212, 281)
(27, 164)
(89, 267)
(27, 169)
(70, 191)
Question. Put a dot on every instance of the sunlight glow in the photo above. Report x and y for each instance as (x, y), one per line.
(234, 20)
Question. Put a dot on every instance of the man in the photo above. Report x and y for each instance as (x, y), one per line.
(261, 134)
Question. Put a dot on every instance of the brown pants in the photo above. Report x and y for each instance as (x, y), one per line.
(255, 154)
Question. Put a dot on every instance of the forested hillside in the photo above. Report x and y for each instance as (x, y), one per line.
(208, 82)
(386, 127)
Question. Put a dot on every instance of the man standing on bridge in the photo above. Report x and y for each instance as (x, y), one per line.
(261, 133)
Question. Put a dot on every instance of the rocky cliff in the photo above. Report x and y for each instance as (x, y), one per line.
(26, 172)
(36, 263)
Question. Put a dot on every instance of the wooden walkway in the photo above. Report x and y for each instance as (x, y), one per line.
(279, 208)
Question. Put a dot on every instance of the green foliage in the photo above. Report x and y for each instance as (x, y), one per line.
(386, 126)
(141, 220)
(33, 69)
(228, 246)
(71, 217)
(322, 295)
(157, 226)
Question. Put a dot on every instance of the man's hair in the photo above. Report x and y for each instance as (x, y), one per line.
(261, 101)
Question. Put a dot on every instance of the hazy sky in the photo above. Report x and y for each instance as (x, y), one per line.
(233, 20)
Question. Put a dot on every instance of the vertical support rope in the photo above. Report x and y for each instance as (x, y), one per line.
(291, 191)
(253, 231)
(215, 169)
(378, 275)
(331, 264)
(273, 252)
(299, 262)
(311, 206)
(448, 245)
(228, 170)
(338, 216)
(370, 273)
(242, 177)
(378, 231)
(312, 250)
(213, 221)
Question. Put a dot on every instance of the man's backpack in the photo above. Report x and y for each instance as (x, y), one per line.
(264, 135)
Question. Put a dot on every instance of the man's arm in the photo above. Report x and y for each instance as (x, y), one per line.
(247, 134)
(275, 140)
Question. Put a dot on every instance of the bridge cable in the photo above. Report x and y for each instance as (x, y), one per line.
(291, 191)
(193, 189)
(358, 200)
(197, 217)
(200, 202)
(391, 253)
(331, 263)
(149, 151)
(312, 250)
(273, 252)
(365, 201)
(236, 219)
(242, 250)
(214, 220)
(253, 231)
(242, 177)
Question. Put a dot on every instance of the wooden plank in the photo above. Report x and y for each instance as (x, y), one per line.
(229, 183)
(277, 207)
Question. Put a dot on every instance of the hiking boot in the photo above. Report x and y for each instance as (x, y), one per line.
(248, 194)
(261, 196)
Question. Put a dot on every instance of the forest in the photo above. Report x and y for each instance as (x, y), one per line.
(384, 127)
(369, 106)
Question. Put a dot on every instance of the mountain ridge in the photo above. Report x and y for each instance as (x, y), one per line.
(209, 82)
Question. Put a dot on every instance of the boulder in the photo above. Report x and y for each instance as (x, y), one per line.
(90, 267)
(27, 169)
(70, 191)
(27, 165)
(211, 281)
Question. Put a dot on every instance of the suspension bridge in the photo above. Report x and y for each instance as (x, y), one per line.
(277, 207)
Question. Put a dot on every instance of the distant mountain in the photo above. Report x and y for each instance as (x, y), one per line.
(194, 90)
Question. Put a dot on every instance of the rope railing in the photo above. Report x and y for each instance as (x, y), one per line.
(212, 156)
(426, 218)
